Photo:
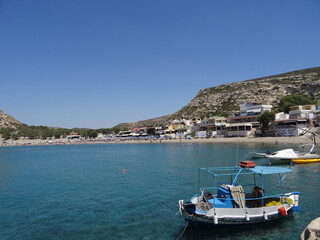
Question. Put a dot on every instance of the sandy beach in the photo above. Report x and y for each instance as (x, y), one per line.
(306, 139)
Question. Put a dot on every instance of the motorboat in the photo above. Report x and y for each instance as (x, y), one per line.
(255, 155)
(233, 196)
(287, 155)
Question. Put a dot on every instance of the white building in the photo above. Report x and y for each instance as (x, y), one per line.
(297, 122)
(248, 109)
(290, 127)
(305, 111)
(73, 136)
(239, 129)
(281, 116)
(247, 123)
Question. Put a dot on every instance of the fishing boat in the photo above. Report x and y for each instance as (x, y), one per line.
(233, 196)
(302, 160)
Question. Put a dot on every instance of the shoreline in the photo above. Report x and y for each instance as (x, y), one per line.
(249, 140)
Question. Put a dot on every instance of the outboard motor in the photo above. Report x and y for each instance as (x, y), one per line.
(189, 207)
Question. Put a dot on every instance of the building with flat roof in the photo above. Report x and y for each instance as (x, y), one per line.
(246, 123)
(248, 109)
(304, 111)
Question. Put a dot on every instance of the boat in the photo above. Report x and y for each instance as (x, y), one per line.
(287, 155)
(301, 160)
(239, 201)
(255, 155)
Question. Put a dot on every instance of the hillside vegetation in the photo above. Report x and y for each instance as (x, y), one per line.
(219, 100)
(225, 99)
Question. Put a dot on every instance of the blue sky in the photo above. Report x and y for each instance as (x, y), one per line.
(98, 63)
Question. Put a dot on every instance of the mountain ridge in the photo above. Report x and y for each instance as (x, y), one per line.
(7, 121)
(225, 99)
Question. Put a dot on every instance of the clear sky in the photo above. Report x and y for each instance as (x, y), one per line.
(97, 63)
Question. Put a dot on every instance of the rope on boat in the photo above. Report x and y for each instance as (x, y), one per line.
(245, 157)
(183, 230)
(173, 217)
(205, 199)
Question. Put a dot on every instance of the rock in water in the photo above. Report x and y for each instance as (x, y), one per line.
(312, 231)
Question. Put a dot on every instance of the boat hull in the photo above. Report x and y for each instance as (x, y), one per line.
(301, 160)
(245, 218)
(238, 216)
(279, 161)
(200, 221)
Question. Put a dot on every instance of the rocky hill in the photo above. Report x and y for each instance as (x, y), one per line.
(8, 121)
(225, 99)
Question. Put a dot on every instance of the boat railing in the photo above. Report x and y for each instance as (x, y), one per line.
(256, 198)
(252, 201)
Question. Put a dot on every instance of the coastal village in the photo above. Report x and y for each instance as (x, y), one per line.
(171, 120)
(243, 124)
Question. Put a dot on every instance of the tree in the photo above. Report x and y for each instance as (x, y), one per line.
(104, 130)
(293, 100)
(115, 130)
(61, 132)
(47, 133)
(15, 136)
(265, 118)
(7, 132)
(6, 136)
(92, 133)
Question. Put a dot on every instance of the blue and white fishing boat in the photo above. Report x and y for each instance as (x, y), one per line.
(233, 196)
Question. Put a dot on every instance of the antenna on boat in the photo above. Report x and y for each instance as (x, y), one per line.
(237, 153)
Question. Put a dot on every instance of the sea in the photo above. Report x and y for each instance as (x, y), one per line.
(129, 191)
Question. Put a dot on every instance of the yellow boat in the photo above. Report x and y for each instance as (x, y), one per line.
(305, 160)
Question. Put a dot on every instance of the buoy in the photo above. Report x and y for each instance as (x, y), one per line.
(247, 216)
(124, 170)
(265, 215)
(282, 211)
(215, 219)
(247, 164)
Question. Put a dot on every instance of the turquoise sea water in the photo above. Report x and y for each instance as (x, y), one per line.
(81, 192)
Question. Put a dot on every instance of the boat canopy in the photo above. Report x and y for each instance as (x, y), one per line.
(270, 170)
(262, 170)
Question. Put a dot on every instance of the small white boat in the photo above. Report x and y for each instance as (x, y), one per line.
(234, 204)
(255, 155)
(287, 155)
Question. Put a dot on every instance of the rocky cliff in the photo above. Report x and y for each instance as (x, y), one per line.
(8, 121)
(225, 99)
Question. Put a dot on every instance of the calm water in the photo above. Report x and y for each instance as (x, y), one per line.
(80, 191)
